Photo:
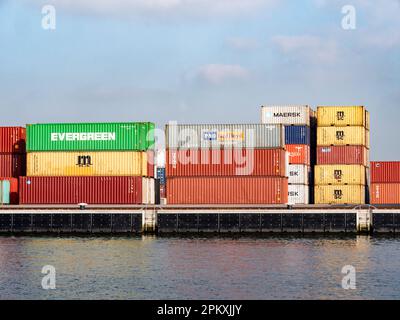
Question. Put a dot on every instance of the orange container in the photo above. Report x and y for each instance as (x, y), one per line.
(227, 190)
(298, 154)
(385, 193)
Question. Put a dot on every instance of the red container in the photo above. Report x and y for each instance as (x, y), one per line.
(343, 155)
(13, 189)
(12, 164)
(74, 190)
(385, 171)
(385, 193)
(227, 190)
(150, 164)
(298, 154)
(12, 139)
(225, 162)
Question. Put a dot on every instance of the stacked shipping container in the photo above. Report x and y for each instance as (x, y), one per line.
(226, 164)
(94, 163)
(342, 170)
(12, 161)
(297, 121)
(385, 182)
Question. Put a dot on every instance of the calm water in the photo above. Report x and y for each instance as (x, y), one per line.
(199, 268)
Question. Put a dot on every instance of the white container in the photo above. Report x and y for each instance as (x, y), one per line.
(286, 115)
(298, 194)
(299, 174)
(217, 136)
(148, 192)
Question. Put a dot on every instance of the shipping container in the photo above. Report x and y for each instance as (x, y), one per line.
(226, 162)
(91, 163)
(216, 136)
(90, 190)
(342, 116)
(385, 193)
(13, 189)
(12, 140)
(286, 115)
(12, 164)
(385, 171)
(4, 192)
(339, 136)
(297, 135)
(299, 174)
(340, 174)
(227, 190)
(343, 155)
(346, 194)
(298, 154)
(90, 137)
(298, 194)
(161, 175)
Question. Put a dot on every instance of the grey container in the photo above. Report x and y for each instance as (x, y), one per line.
(216, 136)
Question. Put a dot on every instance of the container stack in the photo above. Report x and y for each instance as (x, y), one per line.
(385, 182)
(297, 121)
(226, 164)
(12, 162)
(93, 163)
(342, 170)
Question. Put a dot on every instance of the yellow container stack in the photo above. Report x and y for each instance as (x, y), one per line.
(342, 183)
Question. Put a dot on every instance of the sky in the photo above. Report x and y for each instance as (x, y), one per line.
(199, 61)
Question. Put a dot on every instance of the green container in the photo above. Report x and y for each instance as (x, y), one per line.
(136, 136)
(4, 192)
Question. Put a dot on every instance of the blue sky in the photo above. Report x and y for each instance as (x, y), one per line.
(197, 61)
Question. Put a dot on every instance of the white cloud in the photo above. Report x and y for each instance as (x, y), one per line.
(161, 7)
(219, 73)
(307, 47)
(243, 43)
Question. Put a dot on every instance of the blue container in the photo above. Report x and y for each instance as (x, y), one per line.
(297, 135)
(161, 175)
(5, 192)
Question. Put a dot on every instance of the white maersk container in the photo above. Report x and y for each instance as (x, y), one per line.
(286, 115)
(298, 194)
(298, 174)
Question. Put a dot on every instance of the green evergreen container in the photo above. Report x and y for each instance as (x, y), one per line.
(136, 136)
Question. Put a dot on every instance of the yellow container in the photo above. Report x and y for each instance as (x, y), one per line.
(340, 174)
(343, 116)
(127, 163)
(350, 194)
(341, 136)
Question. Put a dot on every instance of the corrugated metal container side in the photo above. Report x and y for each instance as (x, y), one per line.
(297, 135)
(148, 191)
(286, 115)
(74, 190)
(4, 192)
(128, 163)
(342, 116)
(226, 162)
(127, 136)
(216, 136)
(385, 193)
(343, 155)
(339, 136)
(299, 174)
(149, 161)
(13, 189)
(227, 190)
(298, 154)
(298, 194)
(339, 174)
(12, 164)
(385, 171)
(12, 140)
(349, 194)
